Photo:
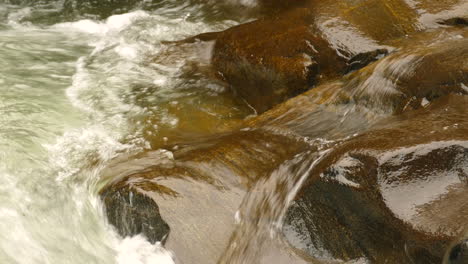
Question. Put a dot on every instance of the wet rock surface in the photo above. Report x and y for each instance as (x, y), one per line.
(270, 60)
(220, 170)
(458, 254)
(275, 58)
(389, 200)
(432, 68)
(381, 138)
(281, 55)
(133, 213)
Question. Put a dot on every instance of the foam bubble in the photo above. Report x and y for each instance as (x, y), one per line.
(118, 22)
(86, 26)
(80, 147)
(137, 250)
(15, 18)
(114, 23)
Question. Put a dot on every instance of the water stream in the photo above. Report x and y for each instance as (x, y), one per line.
(72, 96)
(83, 83)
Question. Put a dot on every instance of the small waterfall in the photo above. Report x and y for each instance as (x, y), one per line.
(260, 216)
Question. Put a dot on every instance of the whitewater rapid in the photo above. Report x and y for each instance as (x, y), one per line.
(67, 106)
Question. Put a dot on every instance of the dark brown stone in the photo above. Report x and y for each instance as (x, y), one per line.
(225, 166)
(456, 21)
(459, 253)
(134, 213)
(426, 67)
(199, 189)
(199, 185)
(272, 59)
(304, 43)
(391, 200)
(279, 56)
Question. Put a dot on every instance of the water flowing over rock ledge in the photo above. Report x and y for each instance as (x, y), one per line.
(359, 151)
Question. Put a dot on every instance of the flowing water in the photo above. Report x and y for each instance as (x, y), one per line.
(76, 90)
(84, 82)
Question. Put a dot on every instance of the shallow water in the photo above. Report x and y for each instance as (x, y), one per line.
(76, 92)
(83, 85)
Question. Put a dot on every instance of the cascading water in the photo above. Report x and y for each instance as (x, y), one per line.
(94, 90)
(70, 100)
(261, 214)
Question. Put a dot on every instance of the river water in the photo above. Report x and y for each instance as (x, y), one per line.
(77, 90)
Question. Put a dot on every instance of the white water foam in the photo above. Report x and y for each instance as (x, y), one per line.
(137, 250)
(113, 23)
(100, 89)
(78, 148)
(52, 208)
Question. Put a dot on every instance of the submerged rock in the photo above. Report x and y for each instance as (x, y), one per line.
(456, 21)
(272, 59)
(397, 201)
(197, 187)
(424, 68)
(458, 254)
(134, 213)
(275, 58)
(200, 184)
(360, 201)
(305, 43)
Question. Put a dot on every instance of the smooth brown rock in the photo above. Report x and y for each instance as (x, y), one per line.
(387, 200)
(200, 184)
(272, 59)
(426, 67)
(199, 187)
(458, 254)
(352, 204)
(134, 213)
(199, 104)
(305, 43)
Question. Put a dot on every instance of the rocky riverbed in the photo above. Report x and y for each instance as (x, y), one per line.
(306, 131)
(357, 152)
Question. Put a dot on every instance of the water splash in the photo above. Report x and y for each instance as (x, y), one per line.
(71, 105)
(137, 250)
(262, 211)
